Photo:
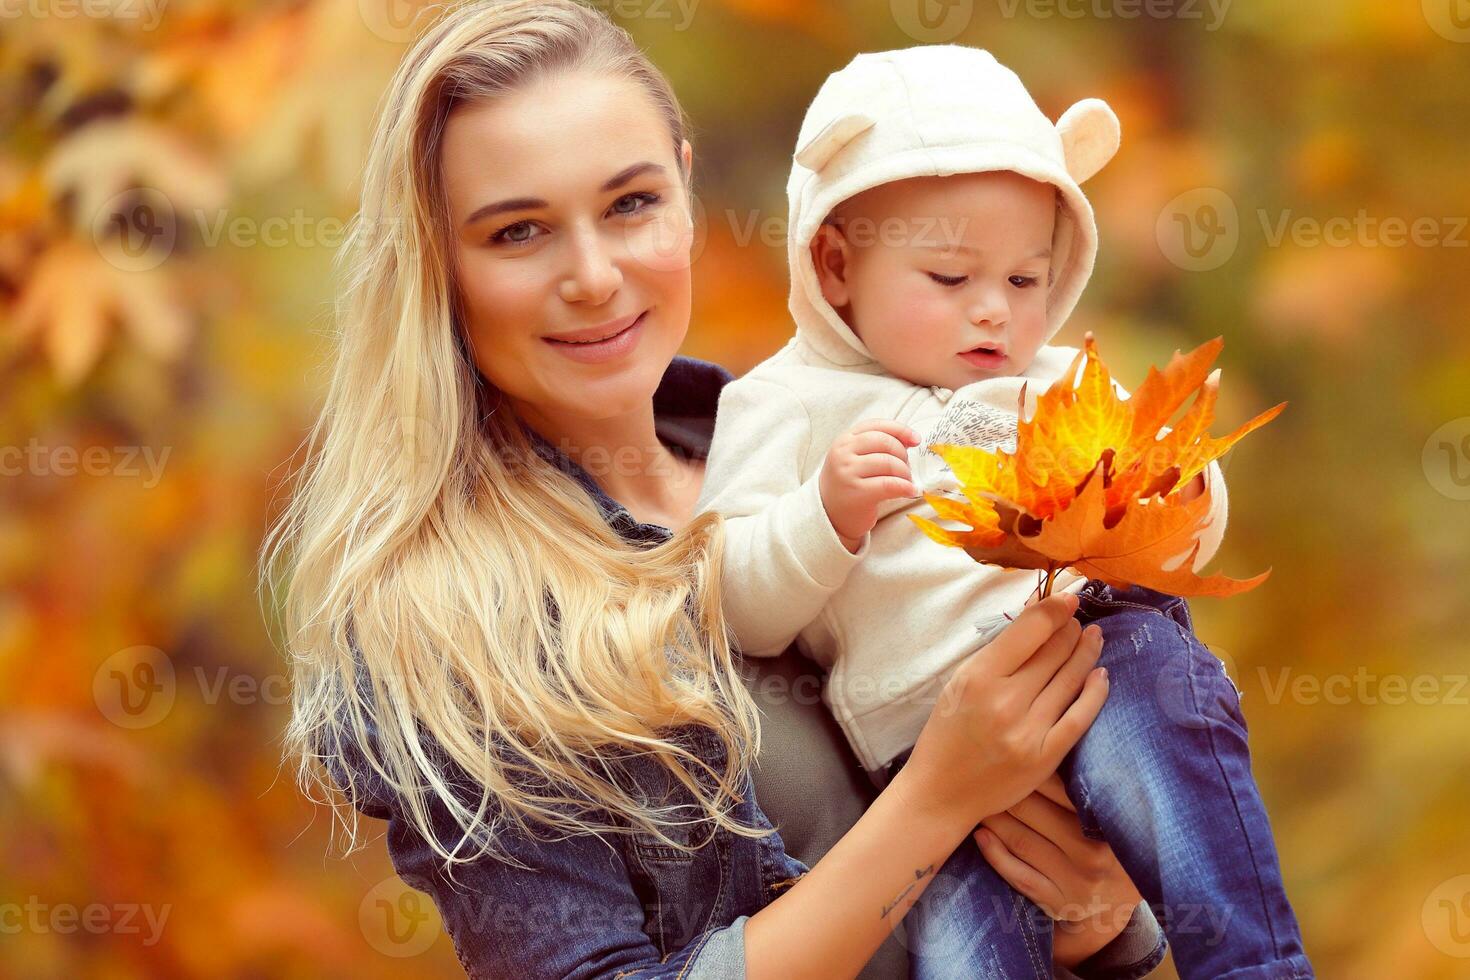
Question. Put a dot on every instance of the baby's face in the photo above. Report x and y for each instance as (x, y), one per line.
(933, 272)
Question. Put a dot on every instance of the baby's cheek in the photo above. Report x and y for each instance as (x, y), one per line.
(923, 322)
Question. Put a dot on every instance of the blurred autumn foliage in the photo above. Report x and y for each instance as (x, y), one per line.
(174, 178)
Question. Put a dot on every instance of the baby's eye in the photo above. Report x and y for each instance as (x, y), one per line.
(519, 233)
(1023, 282)
(635, 202)
(944, 280)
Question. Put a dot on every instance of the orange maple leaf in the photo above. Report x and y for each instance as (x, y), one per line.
(1096, 481)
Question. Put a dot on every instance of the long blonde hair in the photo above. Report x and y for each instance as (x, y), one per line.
(463, 626)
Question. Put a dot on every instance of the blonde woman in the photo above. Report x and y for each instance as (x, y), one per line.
(502, 620)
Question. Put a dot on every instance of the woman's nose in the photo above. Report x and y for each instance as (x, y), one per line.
(594, 275)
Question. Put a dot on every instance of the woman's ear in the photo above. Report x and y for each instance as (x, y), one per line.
(830, 255)
(686, 156)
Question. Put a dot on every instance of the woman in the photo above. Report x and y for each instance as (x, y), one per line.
(500, 613)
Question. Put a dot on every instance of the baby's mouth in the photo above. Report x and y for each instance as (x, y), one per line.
(984, 356)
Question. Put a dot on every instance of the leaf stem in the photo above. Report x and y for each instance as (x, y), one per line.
(1051, 570)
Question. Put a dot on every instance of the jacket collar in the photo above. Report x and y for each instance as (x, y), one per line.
(684, 419)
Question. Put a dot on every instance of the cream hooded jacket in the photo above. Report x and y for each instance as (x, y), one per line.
(891, 622)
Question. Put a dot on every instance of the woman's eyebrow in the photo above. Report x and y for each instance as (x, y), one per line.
(510, 204)
(628, 173)
(532, 203)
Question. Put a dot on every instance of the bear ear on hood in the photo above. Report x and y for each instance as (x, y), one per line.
(1090, 136)
(833, 137)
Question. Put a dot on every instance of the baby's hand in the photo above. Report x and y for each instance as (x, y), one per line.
(865, 466)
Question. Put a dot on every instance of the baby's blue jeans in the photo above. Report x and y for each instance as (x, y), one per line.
(1163, 775)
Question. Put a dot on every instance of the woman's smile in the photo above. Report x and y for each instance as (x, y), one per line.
(613, 339)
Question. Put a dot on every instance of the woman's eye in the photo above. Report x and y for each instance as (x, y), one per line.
(948, 280)
(1022, 282)
(633, 203)
(519, 233)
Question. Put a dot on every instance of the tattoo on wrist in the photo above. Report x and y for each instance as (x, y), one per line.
(919, 875)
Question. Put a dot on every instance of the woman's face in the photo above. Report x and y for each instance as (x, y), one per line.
(571, 237)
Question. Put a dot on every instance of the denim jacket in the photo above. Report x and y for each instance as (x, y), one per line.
(595, 909)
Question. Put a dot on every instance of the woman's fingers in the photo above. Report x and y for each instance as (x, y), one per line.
(1028, 844)
(1017, 873)
(1034, 674)
(1051, 787)
(1062, 689)
(1057, 824)
(1033, 626)
(1077, 719)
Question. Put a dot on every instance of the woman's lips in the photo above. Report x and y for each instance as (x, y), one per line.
(979, 358)
(593, 351)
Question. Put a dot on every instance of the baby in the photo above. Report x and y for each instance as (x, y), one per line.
(938, 240)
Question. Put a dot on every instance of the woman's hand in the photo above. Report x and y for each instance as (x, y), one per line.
(1007, 716)
(1038, 846)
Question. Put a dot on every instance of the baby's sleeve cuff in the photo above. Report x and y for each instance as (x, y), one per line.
(813, 539)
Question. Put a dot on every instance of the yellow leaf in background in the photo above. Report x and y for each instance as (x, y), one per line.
(1096, 481)
(235, 74)
(72, 323)
(106, 158)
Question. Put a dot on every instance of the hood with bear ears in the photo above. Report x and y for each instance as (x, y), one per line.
(933, 111)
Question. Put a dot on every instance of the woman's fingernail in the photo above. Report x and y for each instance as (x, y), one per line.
(982, 836)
